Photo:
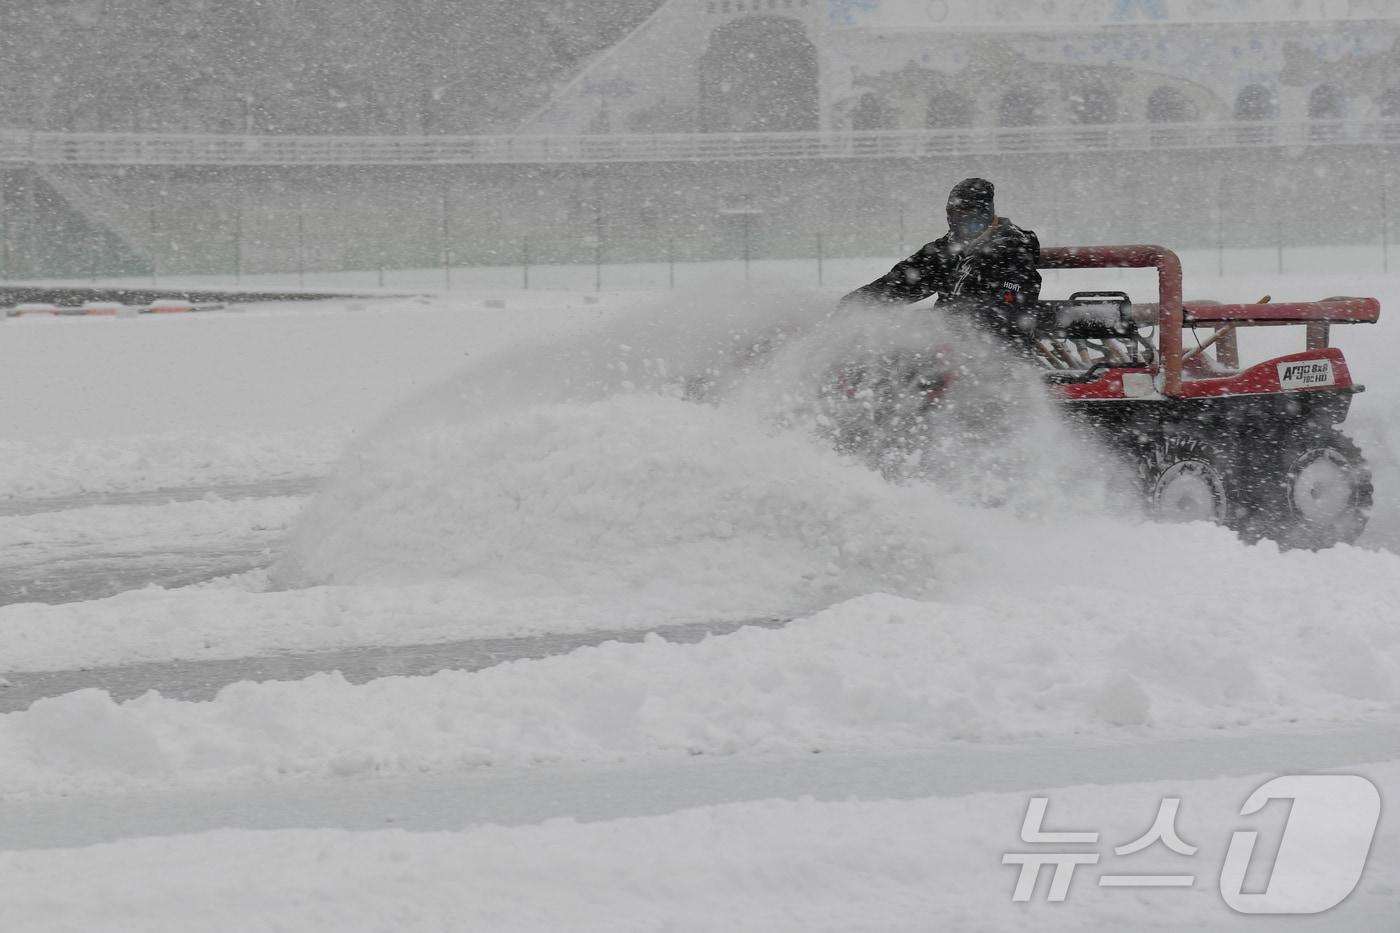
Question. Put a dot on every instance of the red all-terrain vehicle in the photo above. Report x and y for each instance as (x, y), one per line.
(1257, 449)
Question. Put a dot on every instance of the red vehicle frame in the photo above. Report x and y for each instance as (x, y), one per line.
(1258, 449)
(1173, 317)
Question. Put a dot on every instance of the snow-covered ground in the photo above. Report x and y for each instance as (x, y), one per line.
(489, 471)
(798, 864)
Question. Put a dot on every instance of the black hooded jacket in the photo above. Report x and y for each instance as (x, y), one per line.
(997, 270)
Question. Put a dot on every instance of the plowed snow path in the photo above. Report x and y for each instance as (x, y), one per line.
(519, 796)
(201, 680)
(286, 486)
(74, 548)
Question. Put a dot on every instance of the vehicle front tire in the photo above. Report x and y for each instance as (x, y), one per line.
(1186, 478)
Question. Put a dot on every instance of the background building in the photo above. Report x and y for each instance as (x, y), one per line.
(837, 65)
(699, 129)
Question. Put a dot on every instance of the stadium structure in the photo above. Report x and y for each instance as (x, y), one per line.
(720, 126)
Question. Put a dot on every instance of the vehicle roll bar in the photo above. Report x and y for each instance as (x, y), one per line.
(1173, 315)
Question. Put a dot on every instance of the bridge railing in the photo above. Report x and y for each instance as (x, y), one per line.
(190, 149)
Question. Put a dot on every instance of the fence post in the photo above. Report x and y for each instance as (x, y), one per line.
(598, 251)
(1385, 230)
(238, 243)
(671, 260)
(819, 259)
(748, 222)
(1220, 224)
(154, 250)
(301, 246)
(4, 232)
(29, 258)
(446, 249)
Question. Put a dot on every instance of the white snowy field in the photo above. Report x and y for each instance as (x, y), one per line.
(104, 404)
(800, 864)
(533, 468)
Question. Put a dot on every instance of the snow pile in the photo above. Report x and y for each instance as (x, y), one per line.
(624, 495)
(877, 672)
(771, 865)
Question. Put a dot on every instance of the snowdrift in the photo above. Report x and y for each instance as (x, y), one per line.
(876, 673)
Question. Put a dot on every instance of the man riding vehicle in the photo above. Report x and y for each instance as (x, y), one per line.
(984, 265)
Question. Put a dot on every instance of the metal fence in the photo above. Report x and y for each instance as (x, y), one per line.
(176, 149)
(98, 206)
(330, 259)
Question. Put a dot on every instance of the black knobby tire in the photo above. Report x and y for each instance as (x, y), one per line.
(1320, 495)
(1188, 478)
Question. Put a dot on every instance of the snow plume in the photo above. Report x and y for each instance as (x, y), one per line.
(690, 443)
(861, 381)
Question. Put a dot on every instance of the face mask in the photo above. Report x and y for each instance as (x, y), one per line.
(969, 228)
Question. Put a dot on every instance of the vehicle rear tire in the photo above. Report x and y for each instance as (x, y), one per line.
(1186, 478)
(1321, 496)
